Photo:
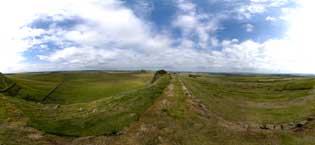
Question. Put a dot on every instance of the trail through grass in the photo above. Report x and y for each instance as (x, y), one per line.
(192, 110)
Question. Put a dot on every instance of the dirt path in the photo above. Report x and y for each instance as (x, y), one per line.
(146, 129)
(149, 122)
(159, 126)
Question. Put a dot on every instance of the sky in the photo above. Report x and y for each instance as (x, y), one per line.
(256, 36)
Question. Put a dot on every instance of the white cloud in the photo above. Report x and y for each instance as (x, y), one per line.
(112, 36)
(108, 27)
(249, 27)
(293, 53)
(270, 18)
(237, 57)
(196, 24)
(15, 16)
(249, 8)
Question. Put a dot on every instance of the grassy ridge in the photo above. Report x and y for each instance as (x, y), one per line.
(105, 116)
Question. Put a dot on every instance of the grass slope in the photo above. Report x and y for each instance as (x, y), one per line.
(105, 116)
(84, 87)
(77, 87)
(34, 87)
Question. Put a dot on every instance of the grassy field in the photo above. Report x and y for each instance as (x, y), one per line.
(77, 87)
(256, 99)
(111, 101)
(103, 116)
(177, 109)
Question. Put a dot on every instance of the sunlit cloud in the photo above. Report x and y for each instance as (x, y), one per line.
(40, 35)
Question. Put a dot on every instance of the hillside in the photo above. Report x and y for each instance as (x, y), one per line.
(179, 108)
(77, 87)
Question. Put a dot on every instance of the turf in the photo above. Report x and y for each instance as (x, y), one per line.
(255, 99)
(106, 116)
(203, 109)
(77, 87)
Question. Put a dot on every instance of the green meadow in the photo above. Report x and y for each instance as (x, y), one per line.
(76, 87)
(143, 108)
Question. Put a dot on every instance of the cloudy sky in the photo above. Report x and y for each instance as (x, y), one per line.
(268, 36)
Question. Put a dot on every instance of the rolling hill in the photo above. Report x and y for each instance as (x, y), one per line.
(128, 108)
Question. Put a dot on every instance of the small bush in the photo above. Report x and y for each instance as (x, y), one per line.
(158, 74)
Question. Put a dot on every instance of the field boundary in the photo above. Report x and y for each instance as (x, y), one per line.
(52, 91)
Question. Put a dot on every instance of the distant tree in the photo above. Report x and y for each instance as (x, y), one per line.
(158, 74)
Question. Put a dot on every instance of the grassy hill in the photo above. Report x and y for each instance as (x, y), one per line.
(127, 109)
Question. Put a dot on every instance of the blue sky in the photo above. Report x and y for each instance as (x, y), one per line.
(268, 36)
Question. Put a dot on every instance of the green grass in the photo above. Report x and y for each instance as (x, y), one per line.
(104, 116)
(8, 111)
(77, 87)
(34, 87)
(255, 99)
(104, 104)
(91, 86)
(192, 128)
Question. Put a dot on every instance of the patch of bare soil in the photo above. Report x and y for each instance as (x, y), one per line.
(35, 136)
(30, 136)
